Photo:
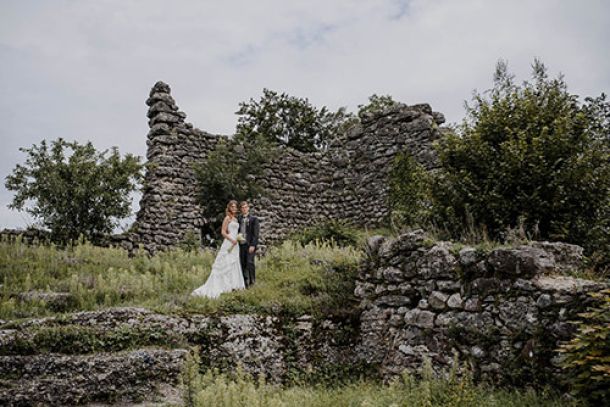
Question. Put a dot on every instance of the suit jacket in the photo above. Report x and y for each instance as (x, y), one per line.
(252, 229)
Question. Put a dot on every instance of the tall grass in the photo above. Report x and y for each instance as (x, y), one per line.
(290, 279)
(239, 389)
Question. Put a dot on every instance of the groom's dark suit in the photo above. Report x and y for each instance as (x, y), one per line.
(251, 226)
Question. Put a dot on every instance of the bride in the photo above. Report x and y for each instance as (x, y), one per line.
(226, 272)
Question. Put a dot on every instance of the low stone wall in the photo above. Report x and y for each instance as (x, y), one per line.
(502, 312)
(28, 236)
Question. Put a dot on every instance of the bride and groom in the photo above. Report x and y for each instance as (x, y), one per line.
(233, 268)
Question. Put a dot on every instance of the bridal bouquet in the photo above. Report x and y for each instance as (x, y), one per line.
(240, 239)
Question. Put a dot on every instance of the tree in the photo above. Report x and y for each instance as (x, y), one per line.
(232, 170)
(73, 188)
(284, 119)
(529, 152)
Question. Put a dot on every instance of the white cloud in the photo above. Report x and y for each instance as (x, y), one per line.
(82, 70)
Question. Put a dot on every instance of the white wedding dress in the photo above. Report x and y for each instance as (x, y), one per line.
(226, 272)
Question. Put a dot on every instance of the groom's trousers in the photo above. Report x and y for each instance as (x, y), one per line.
(248, 268)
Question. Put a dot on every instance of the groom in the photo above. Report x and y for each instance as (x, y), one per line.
(249, 227)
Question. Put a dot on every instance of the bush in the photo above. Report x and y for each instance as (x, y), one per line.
(530, 152)
(240, 389)
(409, 195)
(333, 232)
(529, 156)
(587, 355)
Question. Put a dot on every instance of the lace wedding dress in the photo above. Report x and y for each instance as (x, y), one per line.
(226, 272)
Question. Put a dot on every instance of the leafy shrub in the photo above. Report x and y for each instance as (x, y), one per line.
(530, 152)
(376, 104)
(191, 241)
(527, 156)
(332, 231)
(241, 389)
(409, 195)
(587, 355)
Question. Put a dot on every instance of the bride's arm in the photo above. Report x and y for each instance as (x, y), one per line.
(224, 231)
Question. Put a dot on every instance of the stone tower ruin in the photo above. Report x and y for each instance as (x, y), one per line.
(347, 181)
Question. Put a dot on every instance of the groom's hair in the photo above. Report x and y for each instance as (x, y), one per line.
(242, 203)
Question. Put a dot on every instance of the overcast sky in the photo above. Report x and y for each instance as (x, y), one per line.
(82, 70)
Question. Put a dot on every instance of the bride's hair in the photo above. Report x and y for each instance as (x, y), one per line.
(228, 210)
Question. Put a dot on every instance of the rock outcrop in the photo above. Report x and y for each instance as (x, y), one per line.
(134, 354)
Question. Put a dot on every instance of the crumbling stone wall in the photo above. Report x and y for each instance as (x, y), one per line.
(347, 181)
(169, 208)
(502, 312)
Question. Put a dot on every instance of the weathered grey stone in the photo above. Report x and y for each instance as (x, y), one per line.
(393, 300)
(54, 300)
(78, 379)
(472, 304)
(544, 301)
(477, 352)
(524, 261)
(437, 300)
(567, 257)
(568, 285)
(420, 318)
(468, 256)
(448, 285)
(455, 301)
(393, 275)
(372, 245)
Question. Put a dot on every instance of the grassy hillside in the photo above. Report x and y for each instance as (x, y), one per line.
(291, 279)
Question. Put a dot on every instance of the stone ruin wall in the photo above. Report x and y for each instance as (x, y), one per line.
(348, 181)
(502, 312)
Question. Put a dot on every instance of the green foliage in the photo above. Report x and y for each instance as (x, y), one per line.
(240, 389)
(529, 151)
(587, 354)
(316, 279)
(289, 120)
(376, 104)
(72, 339)
(529, 158)
(191, 241)
(409, 195)
(231, 171)
(332, 231)
(74, 189)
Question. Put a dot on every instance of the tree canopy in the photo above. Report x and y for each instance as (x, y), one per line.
(74, 189)
(289, 120)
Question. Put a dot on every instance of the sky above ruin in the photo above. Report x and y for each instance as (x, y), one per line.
(82, 70)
